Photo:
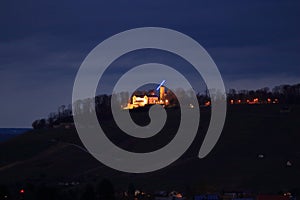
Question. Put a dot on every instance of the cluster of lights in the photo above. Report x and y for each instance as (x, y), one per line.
(254, 101)
(21, 192)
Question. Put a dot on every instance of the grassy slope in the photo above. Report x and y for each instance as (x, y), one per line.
(249, 131)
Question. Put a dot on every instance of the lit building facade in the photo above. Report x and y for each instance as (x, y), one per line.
(150, 99)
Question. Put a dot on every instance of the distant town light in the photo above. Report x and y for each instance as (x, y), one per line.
(207, 103)
(253, 101)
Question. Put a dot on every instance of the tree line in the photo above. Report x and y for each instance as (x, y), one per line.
(101, 104)
(285, 94)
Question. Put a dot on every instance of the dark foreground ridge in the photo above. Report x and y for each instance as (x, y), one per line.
(258, 152)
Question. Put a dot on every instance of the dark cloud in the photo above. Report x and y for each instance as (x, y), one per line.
(254, 44)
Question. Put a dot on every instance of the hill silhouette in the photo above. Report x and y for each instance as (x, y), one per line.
(256, 143)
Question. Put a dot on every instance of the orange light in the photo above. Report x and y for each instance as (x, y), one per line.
(239, 101)
(178, 195)
(231, 101)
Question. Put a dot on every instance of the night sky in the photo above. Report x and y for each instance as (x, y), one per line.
(42, 44)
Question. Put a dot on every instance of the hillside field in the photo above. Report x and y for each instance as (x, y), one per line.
(51, 156)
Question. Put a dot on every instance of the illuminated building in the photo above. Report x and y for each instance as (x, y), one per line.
(140, 101)
(153, 99)
(149, 99)
(162, 93)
